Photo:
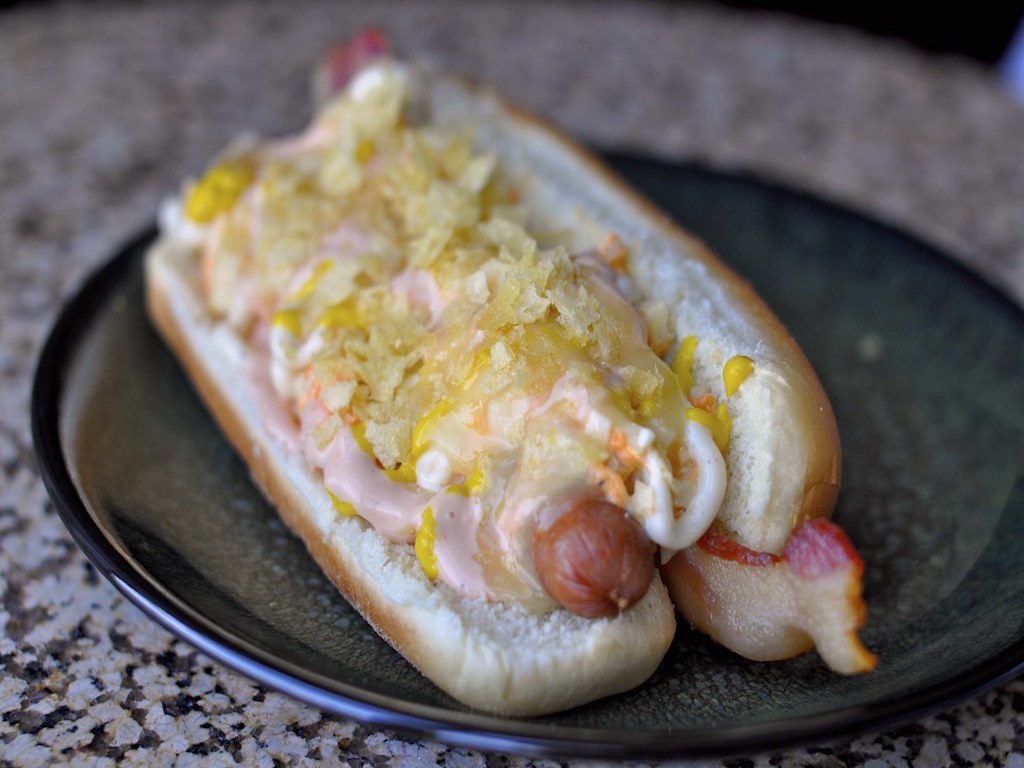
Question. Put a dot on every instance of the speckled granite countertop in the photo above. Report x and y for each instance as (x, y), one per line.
(105, 106)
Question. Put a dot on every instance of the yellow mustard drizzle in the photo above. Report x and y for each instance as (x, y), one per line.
(344, 314)
(476, 480)
(218, 190)
(473, 484)
(425, 538)
(289, 319)
(421, 432)
(718, 423)
(682, 363)
(307, 288)
(365, 151)
(359, 433)
(343, 508)
(735, 372)
(480, 362)
(403, 473)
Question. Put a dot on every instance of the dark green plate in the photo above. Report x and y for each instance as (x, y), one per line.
(925, 367)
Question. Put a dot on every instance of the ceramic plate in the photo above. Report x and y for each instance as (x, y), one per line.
(924, 365)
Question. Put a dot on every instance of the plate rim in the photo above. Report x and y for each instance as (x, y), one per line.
(474, 730)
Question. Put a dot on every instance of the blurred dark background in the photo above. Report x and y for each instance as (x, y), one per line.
(980, 30)
(983, 31)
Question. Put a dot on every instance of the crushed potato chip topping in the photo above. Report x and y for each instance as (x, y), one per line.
(412, 292)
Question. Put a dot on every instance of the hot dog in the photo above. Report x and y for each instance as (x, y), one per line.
(594, 560)
(492, 390)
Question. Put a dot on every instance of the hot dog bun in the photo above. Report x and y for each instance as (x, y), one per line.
(783, 464)
(486, 654)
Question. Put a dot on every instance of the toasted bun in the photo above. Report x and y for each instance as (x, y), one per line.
(783, 462)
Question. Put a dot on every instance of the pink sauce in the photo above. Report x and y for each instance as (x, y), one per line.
(457, 520)
(421, 289)
(277, 418)
(393, 509)
(317, 136)
(346, 241)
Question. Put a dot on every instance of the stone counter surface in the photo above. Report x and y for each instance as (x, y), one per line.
(105, 106)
